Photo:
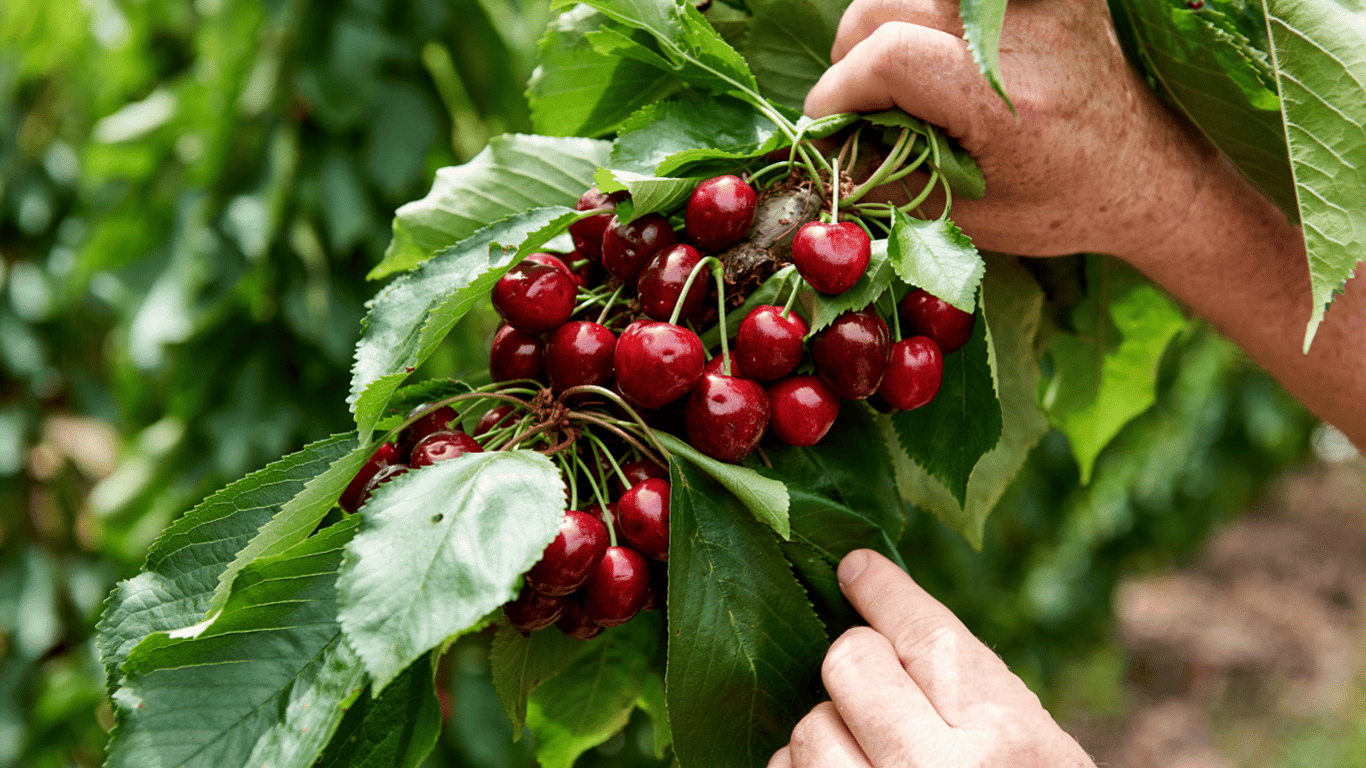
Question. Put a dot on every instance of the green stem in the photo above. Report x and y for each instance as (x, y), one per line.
(896, 316)
(721, 321)
(924, 193)
(602, 316)
(567, 467)
(625, 482)
(893, 160)
(601, 498)
(908, 168)
(835, 192)
(687, 286)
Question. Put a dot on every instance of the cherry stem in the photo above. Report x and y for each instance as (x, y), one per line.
(792, 297)
(896, 316)
(924, 193)
(625, 482)
(567, 467)
(894, 159)
(602, 316)
(439, 404)
(769, 169)
(853, 156)
(614, 397)
(721, 319)
(835, 192)
(579, 264)
(602, 500)
(687, 286)
(619, 432)
(908, 168)
(539, 429)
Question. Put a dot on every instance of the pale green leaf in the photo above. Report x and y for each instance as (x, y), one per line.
(665, 137)
(982, 23)
(649, 194)
(788, 45)
(519, 663)
(766, 499)
(937, 256)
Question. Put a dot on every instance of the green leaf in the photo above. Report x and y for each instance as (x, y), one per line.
(182, 569)
(953, 431)
(788, 45)
(579, 91)
(1320, 57)
(937, 256)
(665, 137)
(766, 499)
(595, 694)
(265, 682)
(1106, 373)
(519, 663)
(982, 22)
(821, 309)
(396, 730)
(1012, 304)
(649, 194)
(409, 317)
(512, 174)
(422, 393)
(747, 668)
(441, 547)
(833, 530)
(652, 701)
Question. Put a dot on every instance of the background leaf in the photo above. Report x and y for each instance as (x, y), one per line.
(396, 730)
(935, 255)
(788, 45)
(765, 499)
(519, 663)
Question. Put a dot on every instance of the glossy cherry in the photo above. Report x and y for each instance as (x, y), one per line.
(433, 420)
(661, 283)
(928, 315)
(726, 416)
(595, 511)
(769, 346)
(851, 354)
(657, 363)
(384, 475)
(383, 456)
(720, 211)
(532, 610)
(534, 298)
(516, 355)
(914, 373)
(570, 559)
(580, 352)
(643, 518)
(499, 415)
(627, 248)
(443, 446)
(802, 409)
(617, 589)
(551, 260)
(576, 623)
(831, 257)
(587, 232)
(638, 472)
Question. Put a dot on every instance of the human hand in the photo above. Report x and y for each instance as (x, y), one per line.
(1094, 161)
(917, 689)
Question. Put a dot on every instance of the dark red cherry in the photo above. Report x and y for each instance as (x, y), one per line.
(384, 455)
(831, 257)
(434, 420)
(443, 446)
(595, 511)
(643, 518)
(726, 416)
(627, 248)
(580, 352)
(384, 475)
(802, 409)
(657, 363)
(769, 346)
(662, 280)
(929, 315)
(914, 373)
(571, 557)
(551, 260)
(576, 623)
(516, 355)
(851, 354)
(617, 589)
(532, 610)
(499, 415)
(714, 365)
(535, 298)
(587, 233)
(720, 212)
(638, 472)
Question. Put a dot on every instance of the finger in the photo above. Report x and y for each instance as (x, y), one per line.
(781, 759)
(887, 713)
(863, 17)
(821, 740)
(956, 672)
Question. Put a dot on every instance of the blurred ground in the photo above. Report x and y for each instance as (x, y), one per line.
(1253, 655)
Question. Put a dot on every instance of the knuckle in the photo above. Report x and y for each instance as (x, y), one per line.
(848, 653)
(806, 734)
(924, 636)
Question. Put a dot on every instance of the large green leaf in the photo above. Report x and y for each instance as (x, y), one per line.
(788, 45)
(821, 309)
(512, 174)
(519, 663)
(982, 22)
(182, 569)
(833, 530)
(649, 194)
(265, 682)
(664, 137)
(396, 730)
(441, 547)
(935, 255)
(766, 499)
(1320, 56)
(410, 317)
(747, 667)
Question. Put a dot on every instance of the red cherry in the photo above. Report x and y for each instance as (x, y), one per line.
(638, 472)
(803, 410)
(928, 315)
(726, 416)
(532, 610)
(384, 455)
(587, 233)
(443, 446)
(831, 257)
(643, 518)
(534, 298)
(516, 355)
(657, 363)
(769, 346)
(662, 280)
(576, 623)
(499, 415)
(914, 373)
(580, 352)
(627, 248)
(551, 260)
(851, 354)
(435, 420)
(617, 589)
(384, 475)
(720, 211)
(595, 511)
(570, 559)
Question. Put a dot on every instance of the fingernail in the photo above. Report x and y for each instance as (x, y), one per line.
(851, 566)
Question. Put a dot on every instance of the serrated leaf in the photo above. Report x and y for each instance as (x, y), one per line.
(1012, 304)
(953, 431)
(439, 548)
(668, 136)
(748, 666)
(396, 730)
(422, 393)
(765, 498)
(1320, 57)
(595, 694)
(409, 317)
(833, 530)
(982, 22)
(512, 174)
(937, 256)
(519, 663)
(788, 45)
(821, 309)
(182, 569)
(265, 682)
(652, 702)
(649, 194)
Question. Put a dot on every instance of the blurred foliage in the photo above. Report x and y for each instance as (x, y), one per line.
(190, 196)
